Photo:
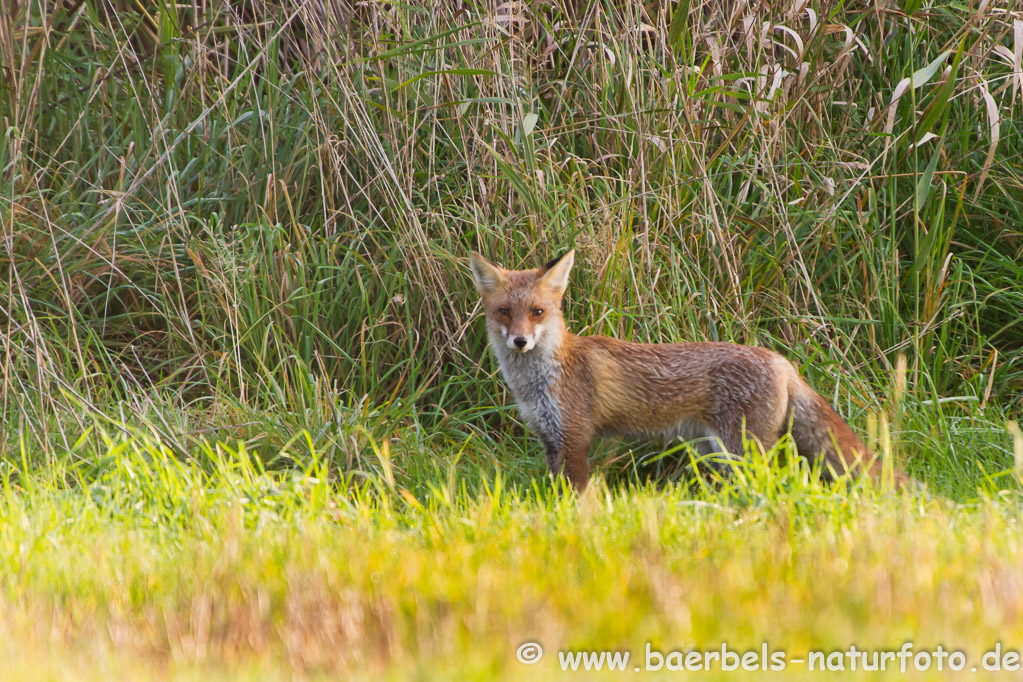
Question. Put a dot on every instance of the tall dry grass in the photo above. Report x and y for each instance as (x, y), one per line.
(264, 207)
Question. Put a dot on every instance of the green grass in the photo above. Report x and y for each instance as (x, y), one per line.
(142, 561)
(250, 423)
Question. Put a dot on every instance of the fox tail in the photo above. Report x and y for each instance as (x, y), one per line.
(818, 430)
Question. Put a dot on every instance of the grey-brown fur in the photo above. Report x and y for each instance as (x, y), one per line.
(572, 389)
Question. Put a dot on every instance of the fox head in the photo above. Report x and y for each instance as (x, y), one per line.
(523, 307)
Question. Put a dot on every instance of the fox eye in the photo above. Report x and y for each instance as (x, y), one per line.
(537, 312)
(504, 311)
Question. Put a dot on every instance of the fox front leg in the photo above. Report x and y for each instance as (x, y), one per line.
(570, 456)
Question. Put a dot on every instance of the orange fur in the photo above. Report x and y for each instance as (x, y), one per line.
(571, 388)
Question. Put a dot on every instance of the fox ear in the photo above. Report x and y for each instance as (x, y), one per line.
(555, 276)
(487, 276)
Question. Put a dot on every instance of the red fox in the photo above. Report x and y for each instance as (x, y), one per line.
(571, 388)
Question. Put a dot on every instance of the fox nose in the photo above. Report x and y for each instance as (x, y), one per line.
(520, 341)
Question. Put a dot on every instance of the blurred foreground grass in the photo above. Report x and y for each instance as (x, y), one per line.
(144, 566)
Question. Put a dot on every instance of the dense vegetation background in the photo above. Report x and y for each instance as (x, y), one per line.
(233, 268)
(256, 215)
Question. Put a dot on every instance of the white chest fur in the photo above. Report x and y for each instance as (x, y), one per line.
(531, 377)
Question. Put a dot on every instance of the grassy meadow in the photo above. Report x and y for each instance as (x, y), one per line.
(251, 428)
